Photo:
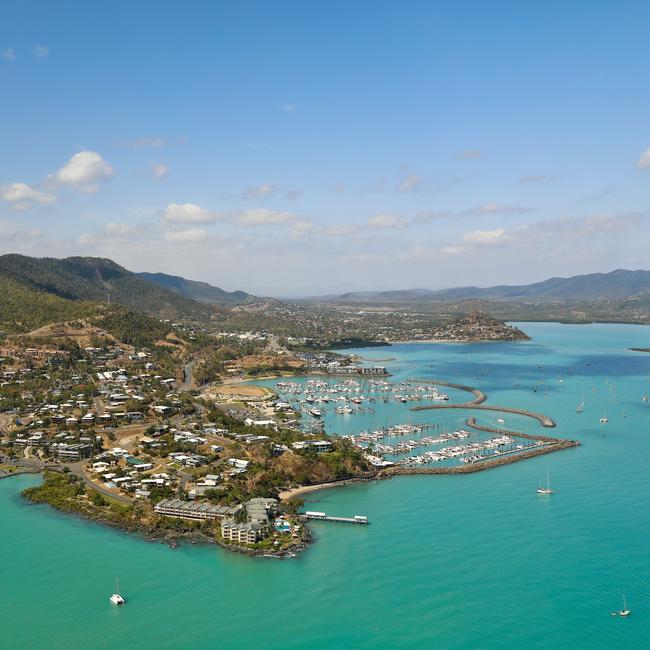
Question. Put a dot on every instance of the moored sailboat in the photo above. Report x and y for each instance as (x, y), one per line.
(547, 489)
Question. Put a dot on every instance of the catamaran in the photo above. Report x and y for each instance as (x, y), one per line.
(547, 489)
(116, 598)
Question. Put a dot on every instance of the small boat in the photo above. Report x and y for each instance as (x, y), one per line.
(316, 413)
(116, 598)
(581, 406)
(547, 489)
(645, 398)
(500, 420)
(604, 419)
(623, 612)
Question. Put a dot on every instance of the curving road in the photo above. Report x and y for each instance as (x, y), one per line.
(188, 378)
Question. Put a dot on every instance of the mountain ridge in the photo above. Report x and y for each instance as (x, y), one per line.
(620, 283)
(196, 290)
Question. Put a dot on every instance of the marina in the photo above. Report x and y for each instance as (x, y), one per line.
(414, 443)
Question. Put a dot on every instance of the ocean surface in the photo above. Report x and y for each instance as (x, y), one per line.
(475, 561)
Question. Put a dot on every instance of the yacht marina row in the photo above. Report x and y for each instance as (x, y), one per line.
(352, 397)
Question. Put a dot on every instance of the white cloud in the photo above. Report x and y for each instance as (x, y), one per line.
(83, 172)
(387, 221)
(259, 192)
(411, 183)
(153, 143)
(260, 216)
(644, 161)
(22, 196)
(533, 178)
(188, 213)
(454, 250)
(495, 208)
(340, 230)
(8, 55)
(190, 235)
(288, 108)
(8, 234)
(113, 233)
(485, 237)
(265, 190)
(302, 228)
(41, 51)
(192, 213)
(159, 170)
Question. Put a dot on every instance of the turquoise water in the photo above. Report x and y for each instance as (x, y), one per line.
(476, 561)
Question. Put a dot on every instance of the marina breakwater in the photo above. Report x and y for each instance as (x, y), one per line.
(471, 422)
(477, 403)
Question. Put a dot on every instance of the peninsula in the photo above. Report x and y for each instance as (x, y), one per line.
(138, 415)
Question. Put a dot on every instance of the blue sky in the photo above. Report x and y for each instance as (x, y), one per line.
(294, 148)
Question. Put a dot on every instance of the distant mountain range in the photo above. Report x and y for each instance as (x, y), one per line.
(201, 291)
(594, 286)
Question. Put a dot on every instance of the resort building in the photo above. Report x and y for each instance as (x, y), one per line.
(73, 451)
(244, 533)
(193, 510)
(261, 509)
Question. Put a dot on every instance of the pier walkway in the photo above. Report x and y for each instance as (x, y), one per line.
(321, 516)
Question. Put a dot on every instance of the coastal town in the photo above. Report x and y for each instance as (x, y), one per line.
(171, 440)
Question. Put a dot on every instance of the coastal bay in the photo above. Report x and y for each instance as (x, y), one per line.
(461, 573)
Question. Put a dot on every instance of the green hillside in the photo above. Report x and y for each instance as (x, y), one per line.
(95, 279)
(22, 309)
(201, 291)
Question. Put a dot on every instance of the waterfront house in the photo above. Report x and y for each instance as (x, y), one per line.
(319, 446)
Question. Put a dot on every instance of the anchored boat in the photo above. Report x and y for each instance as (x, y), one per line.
(547, 489)
(116, 598)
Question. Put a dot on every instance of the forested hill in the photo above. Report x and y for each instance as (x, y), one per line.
(201, 291)
(94, 279)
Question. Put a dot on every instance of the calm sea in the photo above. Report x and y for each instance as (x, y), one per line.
(477, 561)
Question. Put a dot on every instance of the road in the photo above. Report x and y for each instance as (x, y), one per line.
(76, 469)
(99, 406)
(188, 379)
(37, 465)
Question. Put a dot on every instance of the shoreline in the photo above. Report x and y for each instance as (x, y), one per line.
(305, 489)
(167, 535)
(154, 529)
